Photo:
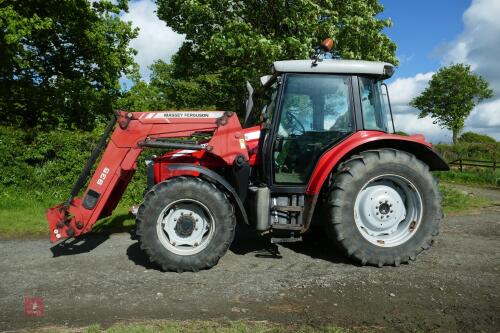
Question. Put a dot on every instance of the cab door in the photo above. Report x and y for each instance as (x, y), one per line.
(315, 112)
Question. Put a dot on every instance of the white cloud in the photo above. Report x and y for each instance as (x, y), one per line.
(479, 46)
(411, 124)
(485, 118)
(479, 43)
(155, 40)
(403, 90)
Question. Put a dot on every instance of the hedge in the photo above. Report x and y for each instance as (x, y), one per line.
(470, 150)
(476, 137)
(48, 163)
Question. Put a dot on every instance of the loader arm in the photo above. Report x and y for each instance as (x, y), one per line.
(135, 131)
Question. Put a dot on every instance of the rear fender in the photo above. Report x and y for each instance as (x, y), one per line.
(358, 142)
(367, 140)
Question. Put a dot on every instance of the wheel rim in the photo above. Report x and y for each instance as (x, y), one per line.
(388, 210)
(185, 227)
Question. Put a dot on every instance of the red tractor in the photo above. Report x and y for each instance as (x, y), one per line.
(315, 147)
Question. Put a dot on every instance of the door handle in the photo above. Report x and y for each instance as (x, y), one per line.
(278, 143)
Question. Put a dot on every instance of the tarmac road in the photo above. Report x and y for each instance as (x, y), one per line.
(106, 279)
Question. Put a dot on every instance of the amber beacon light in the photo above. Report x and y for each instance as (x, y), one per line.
(327, 44)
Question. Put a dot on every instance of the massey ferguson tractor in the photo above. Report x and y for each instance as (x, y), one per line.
(316, 147)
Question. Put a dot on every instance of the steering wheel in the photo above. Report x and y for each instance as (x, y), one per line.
(295, 124)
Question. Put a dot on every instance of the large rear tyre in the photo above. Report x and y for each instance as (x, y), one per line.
(185, 224)
(384, 207)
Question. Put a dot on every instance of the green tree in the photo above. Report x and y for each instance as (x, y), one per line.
(232, 41)
(142, 97)
(60, 61)
(165, 91)
(451, 95)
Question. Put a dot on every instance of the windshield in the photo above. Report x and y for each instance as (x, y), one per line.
(373, 105)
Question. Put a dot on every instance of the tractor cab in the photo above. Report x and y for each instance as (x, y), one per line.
(306, 108)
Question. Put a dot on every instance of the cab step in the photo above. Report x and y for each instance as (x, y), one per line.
(275, 240)
(291, 227)
(295, 209)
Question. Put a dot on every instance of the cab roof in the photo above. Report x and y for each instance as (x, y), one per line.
(335, 66)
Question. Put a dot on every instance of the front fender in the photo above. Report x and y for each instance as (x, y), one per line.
(199, 171)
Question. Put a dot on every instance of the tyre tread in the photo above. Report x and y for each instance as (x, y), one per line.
(196, 262)
(353, 168)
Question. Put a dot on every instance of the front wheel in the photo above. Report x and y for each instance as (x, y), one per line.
(185, 224)
(384, 207)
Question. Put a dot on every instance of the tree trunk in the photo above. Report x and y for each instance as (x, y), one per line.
(455, 136)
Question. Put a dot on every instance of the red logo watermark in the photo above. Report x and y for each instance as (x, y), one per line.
(33, 307)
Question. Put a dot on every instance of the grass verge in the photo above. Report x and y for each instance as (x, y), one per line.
(194, 326)
(480, 177)
(455, 201)
(23, 215)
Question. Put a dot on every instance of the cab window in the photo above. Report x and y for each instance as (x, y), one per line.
(372, 105)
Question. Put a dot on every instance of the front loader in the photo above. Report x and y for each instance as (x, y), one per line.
(316, 147)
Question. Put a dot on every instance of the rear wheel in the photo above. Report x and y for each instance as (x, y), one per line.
(185, 224)
(384, 207)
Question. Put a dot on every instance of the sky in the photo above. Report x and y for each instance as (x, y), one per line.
(429, 34)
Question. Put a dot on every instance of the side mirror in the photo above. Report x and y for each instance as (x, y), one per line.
(265, 79)
(248, 102)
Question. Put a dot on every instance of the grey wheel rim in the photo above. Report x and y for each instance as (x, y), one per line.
(388, 210)
(185, 227)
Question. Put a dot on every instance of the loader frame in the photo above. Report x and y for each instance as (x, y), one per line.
(135, 131)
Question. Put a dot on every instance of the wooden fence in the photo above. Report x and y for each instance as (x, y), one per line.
(461, 162)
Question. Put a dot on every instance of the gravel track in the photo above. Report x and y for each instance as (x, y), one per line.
(106, 279)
